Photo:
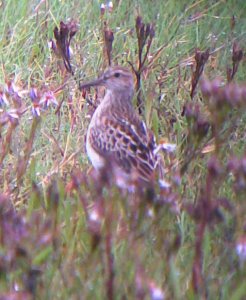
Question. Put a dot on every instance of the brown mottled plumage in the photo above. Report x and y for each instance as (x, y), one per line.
(117, 134)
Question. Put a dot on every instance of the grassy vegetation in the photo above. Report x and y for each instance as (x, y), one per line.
(65, 234)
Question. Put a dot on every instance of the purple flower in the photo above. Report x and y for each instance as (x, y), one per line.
(3, 99)
(13, 114)
(34, 94)
(48, 98)
(36, 110)
(241, 249)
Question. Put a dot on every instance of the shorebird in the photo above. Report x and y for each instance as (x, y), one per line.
(116, 134)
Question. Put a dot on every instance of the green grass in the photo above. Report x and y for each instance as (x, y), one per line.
(57, 239)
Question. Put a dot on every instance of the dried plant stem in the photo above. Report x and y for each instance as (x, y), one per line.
(201, 57)
(197, 277)
(109, 257)
(6, 144)
(23, 161)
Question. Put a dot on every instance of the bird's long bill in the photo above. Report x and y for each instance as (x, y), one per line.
(95, 82)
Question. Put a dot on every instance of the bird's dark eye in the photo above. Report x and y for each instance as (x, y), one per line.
(116, 74)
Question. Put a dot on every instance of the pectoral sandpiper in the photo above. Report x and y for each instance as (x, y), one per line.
(117, 135)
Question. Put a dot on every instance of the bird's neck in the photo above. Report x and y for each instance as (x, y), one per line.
(117, 97)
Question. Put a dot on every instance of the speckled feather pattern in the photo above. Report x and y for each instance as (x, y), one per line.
(116, 132)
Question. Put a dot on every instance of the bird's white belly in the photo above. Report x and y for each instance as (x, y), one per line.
(96, 160)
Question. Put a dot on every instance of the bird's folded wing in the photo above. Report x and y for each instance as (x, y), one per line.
(129, 146)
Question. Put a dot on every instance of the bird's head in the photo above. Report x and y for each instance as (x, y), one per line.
(115, 79)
